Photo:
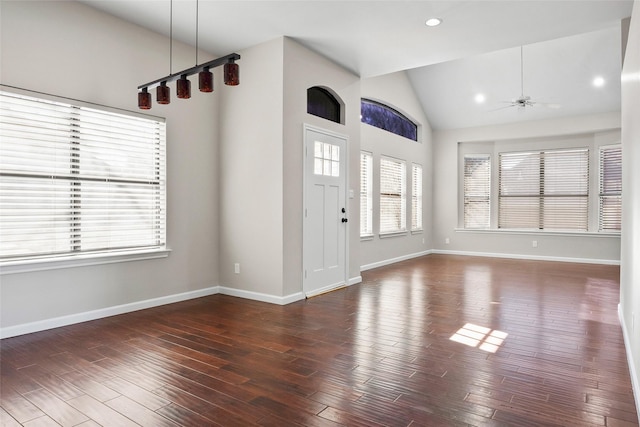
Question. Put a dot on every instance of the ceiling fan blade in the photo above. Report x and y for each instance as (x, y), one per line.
(501, 108)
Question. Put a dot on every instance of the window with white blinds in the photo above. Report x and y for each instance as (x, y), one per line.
(77, 180)
(392, 195)
(366, 194)
(416, 197)
(610, 205)
(477, 191)
(545, 190)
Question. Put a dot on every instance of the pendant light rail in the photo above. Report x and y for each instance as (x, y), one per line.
(231, 58)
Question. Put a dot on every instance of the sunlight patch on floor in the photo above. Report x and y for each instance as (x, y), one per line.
(480, 337)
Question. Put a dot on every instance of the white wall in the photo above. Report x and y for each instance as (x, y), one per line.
(304, 69)
(262, 165)
(396, 91)
(251, 173)
(69, 49)
(590, 248)
(630, 268)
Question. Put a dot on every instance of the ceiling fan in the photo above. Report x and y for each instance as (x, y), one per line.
(523, 100)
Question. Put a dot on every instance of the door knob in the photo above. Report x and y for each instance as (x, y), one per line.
(344, 210)
(344, 220)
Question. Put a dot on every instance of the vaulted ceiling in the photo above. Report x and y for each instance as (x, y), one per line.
(476, 50)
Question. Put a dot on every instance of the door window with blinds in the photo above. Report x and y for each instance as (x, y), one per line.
(366, 194)
(477, 190)
(544, 190)
(392, 196)
(76, 180)
(610, 198)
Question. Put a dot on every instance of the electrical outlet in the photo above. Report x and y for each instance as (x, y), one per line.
(236, 268)
(447, 240)
(423, 241)
(534, 243)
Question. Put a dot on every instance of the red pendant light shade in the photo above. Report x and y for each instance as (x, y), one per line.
(183, 87)
(144, 99)
(231, 74)
(163, 94)
(205, 80)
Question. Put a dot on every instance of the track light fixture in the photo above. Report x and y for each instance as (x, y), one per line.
(183, 85)
(205, 80)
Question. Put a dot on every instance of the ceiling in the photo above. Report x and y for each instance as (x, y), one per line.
(475, 50)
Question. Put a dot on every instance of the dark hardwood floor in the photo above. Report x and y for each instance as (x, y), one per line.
(434, 341)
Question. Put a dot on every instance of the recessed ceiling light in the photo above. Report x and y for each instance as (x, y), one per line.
(433, 22)
(598, 81)
(480, 98)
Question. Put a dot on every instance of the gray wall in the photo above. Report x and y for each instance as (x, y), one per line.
(396, 91)
(575, 247)
(69, 49)
(302, 70)
(251, 173)
(630, 268)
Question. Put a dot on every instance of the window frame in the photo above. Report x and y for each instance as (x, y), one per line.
(590, 140)
(544, 175)
(602, 193)
(366, 194)
(401, 196)
(398, 119)
(417, 214)
(480, 197)
(18, 263)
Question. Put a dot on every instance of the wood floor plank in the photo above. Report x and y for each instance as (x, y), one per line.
(100, 412)
(7, 420)
(136, 393)
(138, 413)
(16, 405)
(42, 422)
(439, 340)
(56, 408)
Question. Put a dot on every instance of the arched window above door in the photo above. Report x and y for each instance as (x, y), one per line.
(322, 103)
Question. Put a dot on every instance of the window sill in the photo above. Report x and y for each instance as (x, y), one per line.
(54, 263)
(366, 237)
(417, 231)
(393, 234)
(536, 232)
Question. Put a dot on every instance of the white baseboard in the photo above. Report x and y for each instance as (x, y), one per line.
(354, 280)
(258, 296)
(529, 257)
(56, 322)
(393, 260)
(635, 380)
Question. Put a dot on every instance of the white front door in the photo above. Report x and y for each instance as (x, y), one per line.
(325, 215)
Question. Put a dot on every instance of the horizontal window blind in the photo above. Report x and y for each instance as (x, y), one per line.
(392, 196)
(366, 194)
(477, 191)
(75, 179)
(610, 206)
(544, 190)
(416, 197)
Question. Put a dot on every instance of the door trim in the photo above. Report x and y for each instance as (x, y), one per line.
(345, 281)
